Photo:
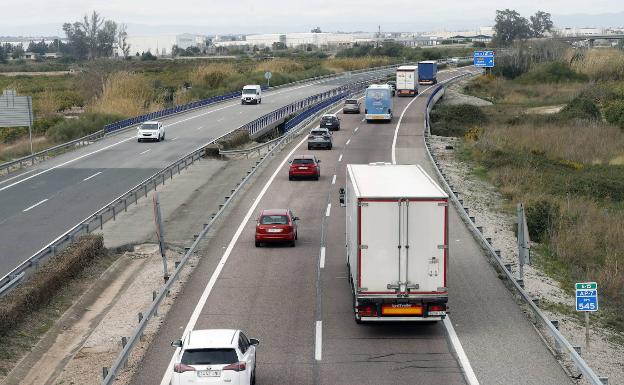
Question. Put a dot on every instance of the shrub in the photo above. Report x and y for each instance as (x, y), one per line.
(11, 134)
(614, 112)
(541, 217)
(454, 120)
(554, 72)
(581, 108)
(39, 289)
(87, 124)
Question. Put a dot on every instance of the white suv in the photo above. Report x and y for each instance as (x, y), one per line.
(151, 131)
(216, 356)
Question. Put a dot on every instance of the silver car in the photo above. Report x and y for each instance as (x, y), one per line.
(351, 106)
(320, 138)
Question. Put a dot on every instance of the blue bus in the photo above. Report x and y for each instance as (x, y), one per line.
(378, 103)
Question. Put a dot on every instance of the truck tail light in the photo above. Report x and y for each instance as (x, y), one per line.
(181, 368)
(437, 309)
(237, 366)
(367, 310)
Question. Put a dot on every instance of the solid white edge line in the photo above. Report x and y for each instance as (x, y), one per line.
(340, 158)
(328, 210)
(65, 163)
(215, 275)
(318, 347)
(322, 263)
(334, 179)
(17, 176)
(398, 125)
(92, 176)
(469, 374)
(35, 205)
(146, 151)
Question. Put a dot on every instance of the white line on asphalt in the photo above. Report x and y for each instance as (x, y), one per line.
(356, 128)
(348, 141)
(471, 378)
(318, 349)
(340, 158)
(215, 275)
(17, 176)
(35, 205)
(64, 163)
(92, 176)
(363, 119)
(334, 179)
(172, 139)
(328, 210)
(322, 263)
(148, 150)
(200, 127)
(398, 125)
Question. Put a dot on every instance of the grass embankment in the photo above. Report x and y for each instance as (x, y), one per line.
(567, 167)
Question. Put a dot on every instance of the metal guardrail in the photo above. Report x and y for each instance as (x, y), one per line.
(123, 356)
(560, 341)
(110, 210)
(17, 164)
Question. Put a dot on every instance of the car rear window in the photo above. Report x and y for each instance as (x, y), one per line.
(209, 356)
(274, 220)
(328, 118)
(350, 101)
(317, 132)
(303, 161)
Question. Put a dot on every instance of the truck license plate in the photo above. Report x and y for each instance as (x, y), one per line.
(401, 309)
(208, 373)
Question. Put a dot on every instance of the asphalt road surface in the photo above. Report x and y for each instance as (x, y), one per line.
(41, 203)
(297, 301)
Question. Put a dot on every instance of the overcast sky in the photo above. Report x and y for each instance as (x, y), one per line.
(244, 16)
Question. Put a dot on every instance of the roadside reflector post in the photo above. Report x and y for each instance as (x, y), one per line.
(604, 380)
(154, 295)
(508, 267)
(104, 372)
(555, 323)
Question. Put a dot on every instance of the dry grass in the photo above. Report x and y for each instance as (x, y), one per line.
(503, 91)
(212, 75)
(576, 141)
(600, 64)
(21, 148)
(351, 64)
(280, 65)
(127, 94)
(588, 238)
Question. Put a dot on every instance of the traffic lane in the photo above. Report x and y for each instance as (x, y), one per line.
(24, 233)
(159, 352)
(373, 353)
(493, 329)
(279, 281)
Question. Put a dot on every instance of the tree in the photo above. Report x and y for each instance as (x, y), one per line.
(38, 48)
(77, 46)
(278, 45)
(106, 39)
(18, 51)
(540, 23)
(316, 30)
(3, 54)
(122, 40)
(91, 27)
(510, 26)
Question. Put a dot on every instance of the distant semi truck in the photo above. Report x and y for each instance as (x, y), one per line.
(406, 81)
(397, 243)
(427, 72)
(378, 103)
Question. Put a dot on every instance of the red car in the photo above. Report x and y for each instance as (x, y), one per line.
(276, 225)
(304, 166)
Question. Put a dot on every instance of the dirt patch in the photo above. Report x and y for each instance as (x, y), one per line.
(545, 110)
(454, 95)
(492, 212)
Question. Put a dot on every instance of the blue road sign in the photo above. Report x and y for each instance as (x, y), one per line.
(587, 296)
(484, 59)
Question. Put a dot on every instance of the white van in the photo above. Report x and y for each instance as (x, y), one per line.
(251, 94)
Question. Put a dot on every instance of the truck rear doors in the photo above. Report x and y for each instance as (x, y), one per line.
(402, 246)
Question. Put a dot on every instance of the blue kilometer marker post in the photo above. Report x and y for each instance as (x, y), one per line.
(586, 301)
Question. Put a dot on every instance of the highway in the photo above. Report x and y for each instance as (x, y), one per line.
(297, 301)
(41, 203)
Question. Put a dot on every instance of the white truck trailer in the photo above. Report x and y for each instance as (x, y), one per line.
(407, 81)
(397, 243)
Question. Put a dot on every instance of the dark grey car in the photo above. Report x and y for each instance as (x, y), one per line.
(320, 138)
(351, 106)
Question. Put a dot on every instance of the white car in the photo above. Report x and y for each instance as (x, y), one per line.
(215, 356)
(151, 131)
(251, 94)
